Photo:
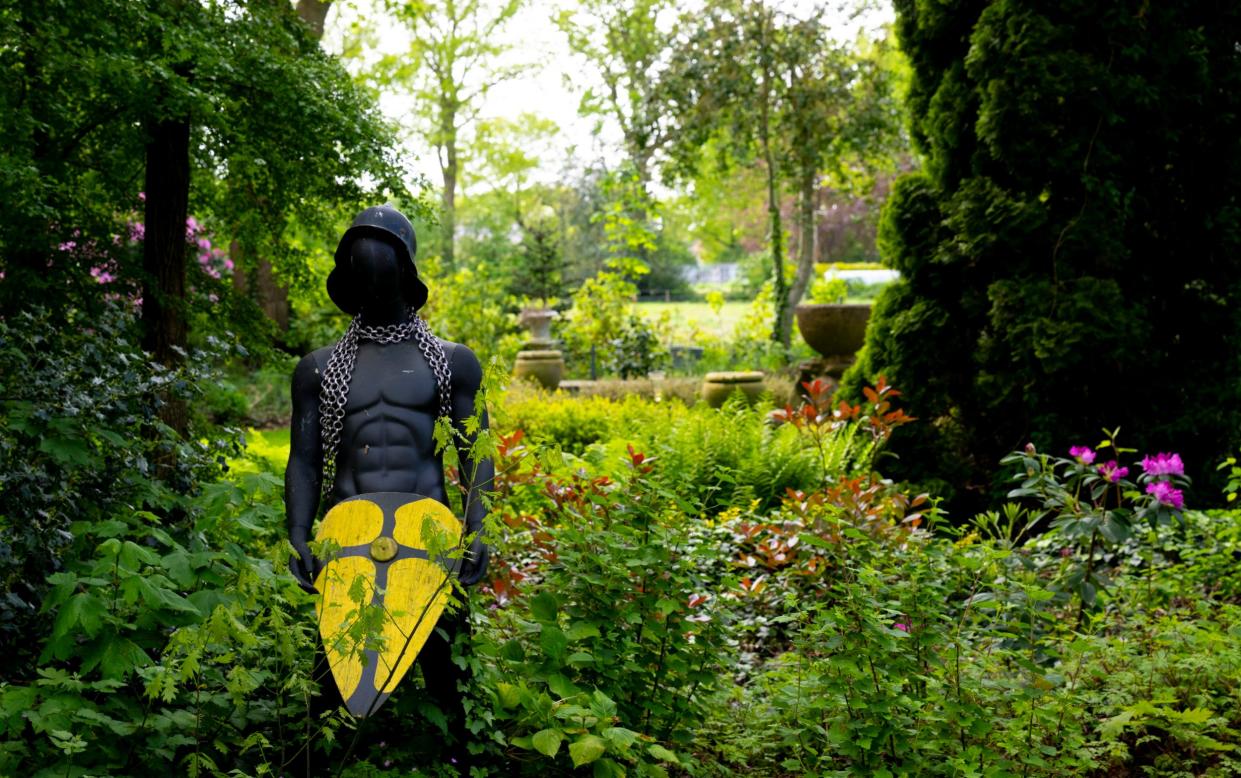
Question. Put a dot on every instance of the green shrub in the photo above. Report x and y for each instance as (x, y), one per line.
(614, 646)
(1060, 244)
(80, 441)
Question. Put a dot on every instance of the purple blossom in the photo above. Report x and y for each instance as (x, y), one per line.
(1163, 464)
(1082, 454)
(1166, 494)
(901, 627)
(1111, 472)
(101, 275)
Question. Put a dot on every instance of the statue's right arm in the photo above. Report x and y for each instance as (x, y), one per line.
(304, 474)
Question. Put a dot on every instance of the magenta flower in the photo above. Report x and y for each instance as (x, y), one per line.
(1082, 454)
(901, 627)
(1111, 472)
(1166, 494)
(1163, 464)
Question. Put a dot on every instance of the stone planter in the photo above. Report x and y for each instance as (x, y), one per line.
(538, 322)
(543, 367)
(834, 330)
(718, 387)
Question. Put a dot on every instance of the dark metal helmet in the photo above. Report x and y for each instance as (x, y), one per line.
(387, 223)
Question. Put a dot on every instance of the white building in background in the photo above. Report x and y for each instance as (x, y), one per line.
(870, 276)
(714, 273)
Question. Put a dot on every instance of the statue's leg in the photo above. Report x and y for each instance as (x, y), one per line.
(442, 678)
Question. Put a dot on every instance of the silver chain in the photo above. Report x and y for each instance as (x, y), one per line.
(334, 390)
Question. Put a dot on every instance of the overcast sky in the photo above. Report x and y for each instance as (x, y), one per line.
(554, 87)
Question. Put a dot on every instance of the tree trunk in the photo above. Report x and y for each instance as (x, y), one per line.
(164, 249)
(448, 167)
(314, 13)
(780, 331)
(805, 248)
(260, 283)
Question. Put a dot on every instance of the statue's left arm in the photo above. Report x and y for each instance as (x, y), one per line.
(476, 476)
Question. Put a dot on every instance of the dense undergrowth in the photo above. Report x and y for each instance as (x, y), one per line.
(675, 590)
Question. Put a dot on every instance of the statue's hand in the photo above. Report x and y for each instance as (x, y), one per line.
(303, 565)
(474, 562)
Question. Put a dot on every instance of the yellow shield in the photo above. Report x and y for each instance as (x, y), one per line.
(383, 589)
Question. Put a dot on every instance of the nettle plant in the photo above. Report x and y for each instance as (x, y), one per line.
(610, 644)
(1093, 506)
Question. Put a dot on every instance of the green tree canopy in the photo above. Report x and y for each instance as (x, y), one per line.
(265, 129)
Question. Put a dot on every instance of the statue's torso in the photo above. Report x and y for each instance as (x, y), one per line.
(387, 444)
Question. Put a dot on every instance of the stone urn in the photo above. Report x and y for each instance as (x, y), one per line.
(835, 330)
(538, 322)
(545, 368)
(718, 387)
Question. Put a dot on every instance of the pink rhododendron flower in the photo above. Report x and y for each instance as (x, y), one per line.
(901, 627)
(1166, 494)
(1163, 464)
(1082, 454)
(1111, 472)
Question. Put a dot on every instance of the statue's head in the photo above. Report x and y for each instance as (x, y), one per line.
(375, 258)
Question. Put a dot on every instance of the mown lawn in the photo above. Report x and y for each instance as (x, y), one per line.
(686, 316)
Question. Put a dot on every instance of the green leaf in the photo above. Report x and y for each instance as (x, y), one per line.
(69, 451)
(580, 630)
(586, 749)
(543, 607)
(513, 651)
(553, 641)
(83, 610)
(547, 741)
(620, 737)
(562, 687)
(662, 754)
(509, 694)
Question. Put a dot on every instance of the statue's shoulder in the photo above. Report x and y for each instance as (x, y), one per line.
(309, 370)
(465, 367)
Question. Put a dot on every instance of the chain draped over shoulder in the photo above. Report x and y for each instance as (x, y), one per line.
(334, 389)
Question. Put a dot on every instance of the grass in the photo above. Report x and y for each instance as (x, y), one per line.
(684, 317)
(271, 445)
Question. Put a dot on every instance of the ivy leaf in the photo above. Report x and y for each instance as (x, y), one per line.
(547, 741)
(586, 749)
